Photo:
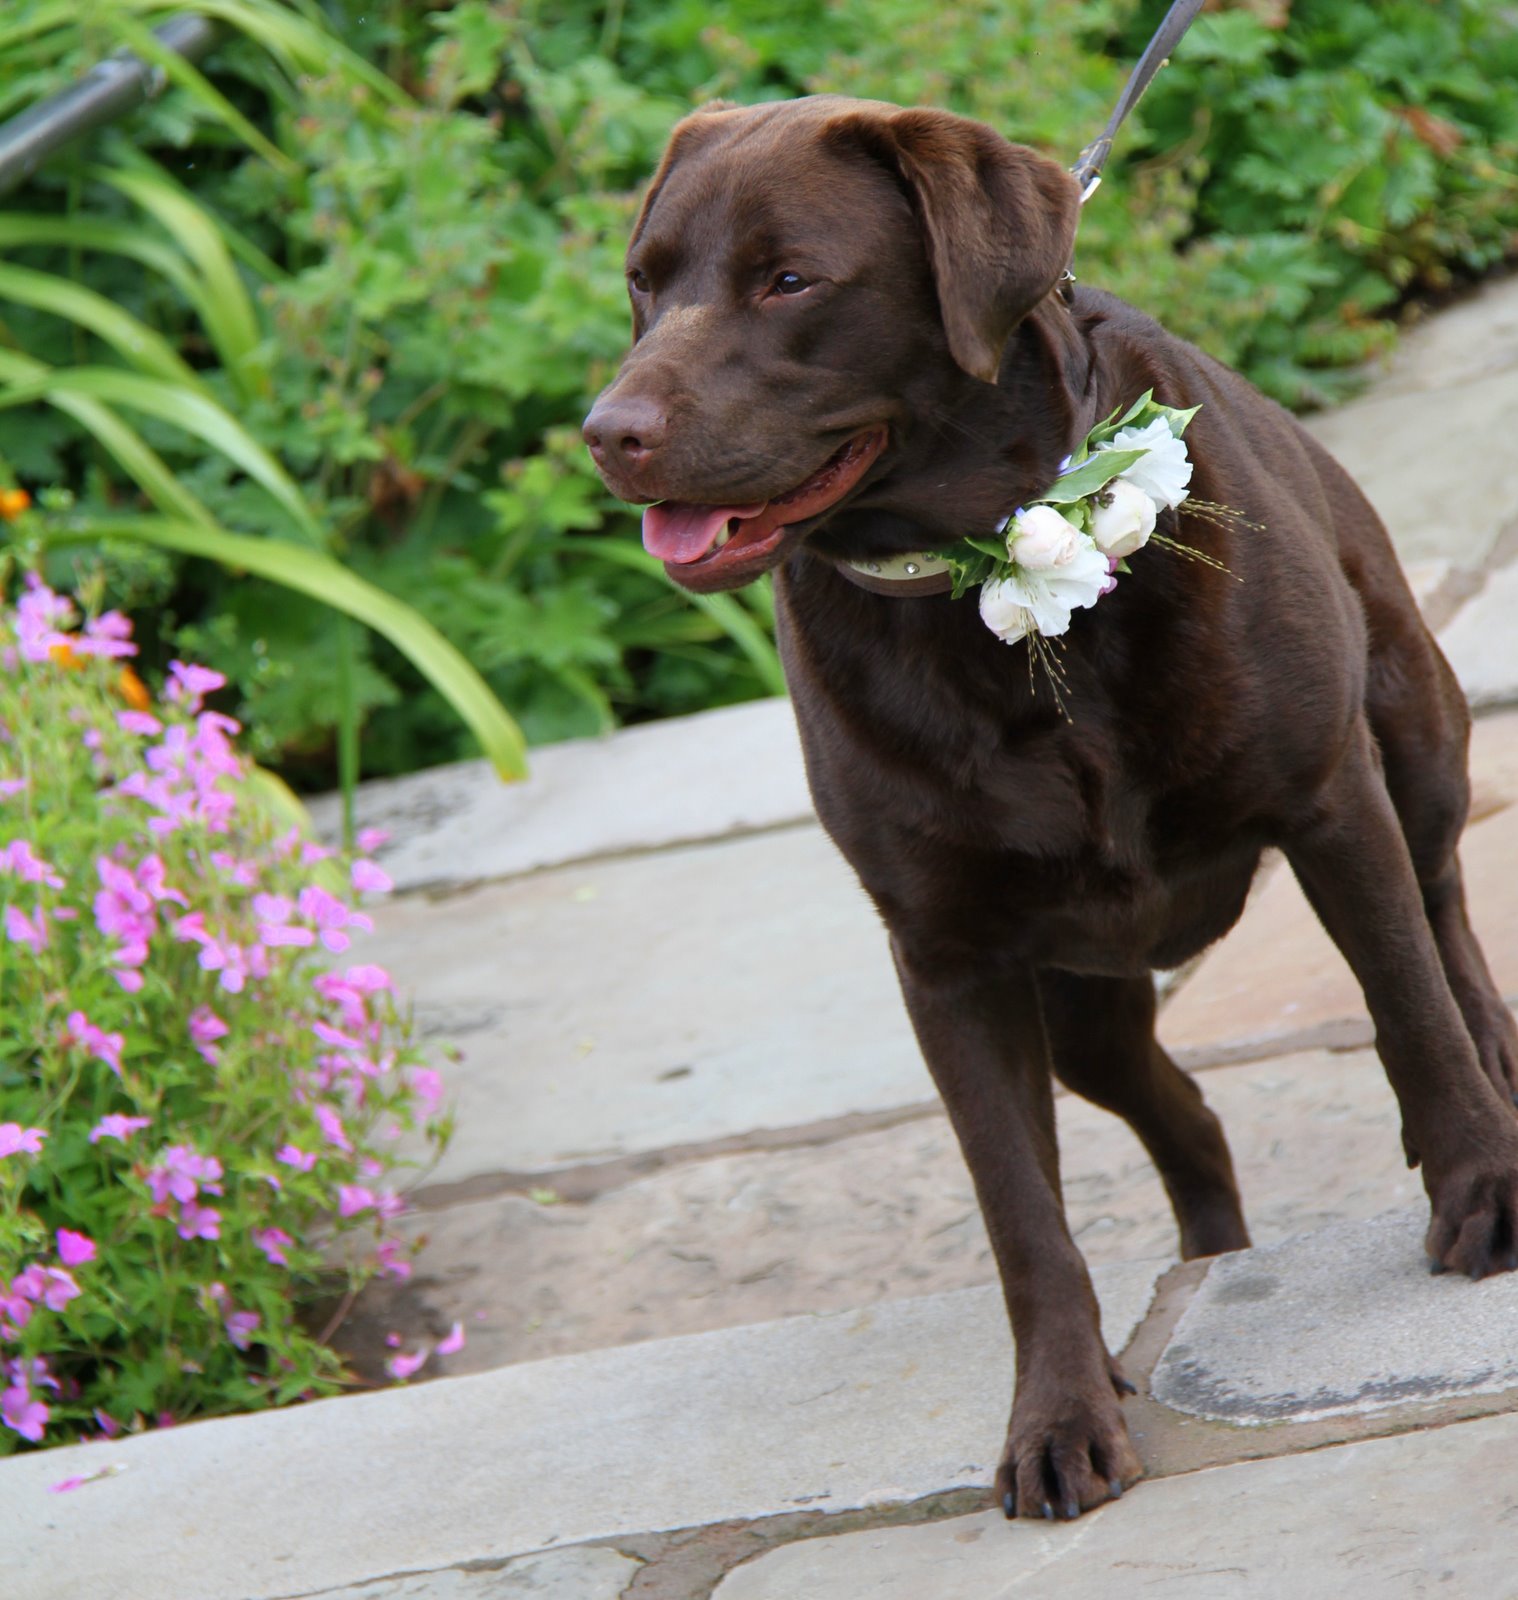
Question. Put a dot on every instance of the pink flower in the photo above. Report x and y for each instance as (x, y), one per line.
(20, 1412)
(60, 1289)
(205, 1028)
(427, 1086)
(191, 684)
(74, 1249)
(138, 722)
(240, 1326)
(332, 1128)
(64, 1485)
(21, 929)
(293, 1156)
(106, 1047)
(19, 858)
(273, 1241)
(353, 1198)
(371, 839)
(116, 1126)
(331, 916)
(14, 1137)
(454, 1342)
(109, 634)
(370, 878)
(390, 1261)
(182, 1173)
(199, 1222)
(401, 1367)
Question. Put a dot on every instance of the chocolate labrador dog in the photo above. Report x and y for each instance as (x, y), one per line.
(851, 340)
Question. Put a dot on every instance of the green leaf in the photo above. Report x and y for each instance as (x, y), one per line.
(305, 48)
(186, 76)
(147, 469)
(184, 408)
(134, 340)
(1098, 470)
(314, 573)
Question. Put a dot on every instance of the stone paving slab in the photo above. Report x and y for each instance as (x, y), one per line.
(1399, 1518)
(1277, 982)
(1482, 641)
(862, 1408)
(1341, 1322)
(594, 1573)
(623, 1006)
(732, 770)
(873, 1216)
(1439, 414)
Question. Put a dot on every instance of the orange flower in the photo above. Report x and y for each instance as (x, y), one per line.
(134, 691)
(63, 654)
(12, 503)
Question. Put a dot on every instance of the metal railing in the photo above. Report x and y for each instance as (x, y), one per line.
(103, 93)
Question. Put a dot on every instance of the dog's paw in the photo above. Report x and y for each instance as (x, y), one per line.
(1067, 1449)
(1474, 1227)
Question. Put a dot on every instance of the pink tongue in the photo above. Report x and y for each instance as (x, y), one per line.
(679, 532)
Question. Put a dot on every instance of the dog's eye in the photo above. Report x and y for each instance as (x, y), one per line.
(638, 281)
(790, 283)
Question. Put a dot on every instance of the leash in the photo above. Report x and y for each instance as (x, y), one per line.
(1087, 170)
(922, 572)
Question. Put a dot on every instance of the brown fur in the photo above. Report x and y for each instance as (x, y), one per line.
(1034, 867)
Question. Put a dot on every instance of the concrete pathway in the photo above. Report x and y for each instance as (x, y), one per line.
(733, 1328)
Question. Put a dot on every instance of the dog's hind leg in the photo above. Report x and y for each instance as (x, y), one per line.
(1423, 740)
(1101, 1040)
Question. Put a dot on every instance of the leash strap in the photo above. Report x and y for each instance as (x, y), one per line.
(1088, 169)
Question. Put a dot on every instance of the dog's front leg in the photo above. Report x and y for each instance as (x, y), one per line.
(1353, 863)
(982, 1033)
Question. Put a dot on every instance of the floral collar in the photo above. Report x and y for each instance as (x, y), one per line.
(1062, 551)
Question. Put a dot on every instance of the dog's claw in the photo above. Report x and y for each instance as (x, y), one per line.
(1048, 1511)
(1115, 1488)
(1123, 1386)
(1009, 1505)
(1436, 1267)
(1072, 1510)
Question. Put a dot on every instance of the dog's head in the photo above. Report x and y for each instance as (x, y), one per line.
(817, 288)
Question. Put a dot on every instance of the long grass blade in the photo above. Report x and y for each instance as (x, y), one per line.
(190, 80)
(146, 468)
(130, 338)
(188, 409)
(314, 573)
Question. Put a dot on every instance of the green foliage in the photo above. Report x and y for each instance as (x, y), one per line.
(387, 242)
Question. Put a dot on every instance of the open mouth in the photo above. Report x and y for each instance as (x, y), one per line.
(710, 539)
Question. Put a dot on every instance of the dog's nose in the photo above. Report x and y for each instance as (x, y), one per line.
(624, 432)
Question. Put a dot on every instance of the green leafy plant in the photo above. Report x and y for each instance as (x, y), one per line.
(199, 1086)
(387, 242)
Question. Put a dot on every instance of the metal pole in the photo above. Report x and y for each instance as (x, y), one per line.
(102, 94)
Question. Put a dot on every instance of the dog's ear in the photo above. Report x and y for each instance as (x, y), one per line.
(999, 219)
(688, 135)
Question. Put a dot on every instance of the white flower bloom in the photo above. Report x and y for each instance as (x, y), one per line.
(1040, 538)
(1122, 518)
(1164, 473)
(1041, 601)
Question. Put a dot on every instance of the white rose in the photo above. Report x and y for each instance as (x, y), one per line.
(1040, 538)
(1165, 471)
(1002, 610)
(1026, 601)
(1122, 518)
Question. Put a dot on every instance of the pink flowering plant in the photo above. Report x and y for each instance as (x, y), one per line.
(202, 1084)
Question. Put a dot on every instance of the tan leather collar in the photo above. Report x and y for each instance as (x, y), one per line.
(904, 577)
